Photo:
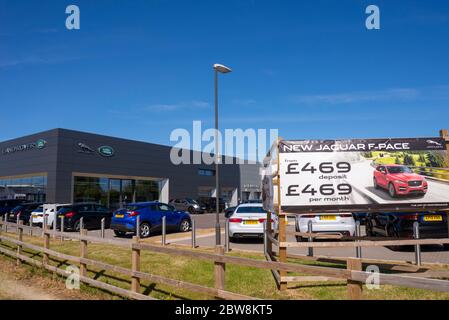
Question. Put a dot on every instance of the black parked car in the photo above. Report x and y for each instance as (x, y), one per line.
(23, 211)
(210, 203)
(188, 204)
(229, 211)
(92, 214)
(400, 224)
(7, 205)
(360, 216)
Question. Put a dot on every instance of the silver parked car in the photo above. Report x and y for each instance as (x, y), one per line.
(188, 204)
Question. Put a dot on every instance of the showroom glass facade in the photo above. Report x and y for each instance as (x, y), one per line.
(30, 188)
(112, 192)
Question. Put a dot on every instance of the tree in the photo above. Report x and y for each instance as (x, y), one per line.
(436, 160)
(408, 160)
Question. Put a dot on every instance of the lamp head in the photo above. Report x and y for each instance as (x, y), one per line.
(221, 68)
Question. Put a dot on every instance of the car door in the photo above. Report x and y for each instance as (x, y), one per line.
(86, 211)
(381, 221)
(167, 211)
(96, 215)
(382, 176)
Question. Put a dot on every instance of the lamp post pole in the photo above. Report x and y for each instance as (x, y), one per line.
(222, 69)
(217, 159)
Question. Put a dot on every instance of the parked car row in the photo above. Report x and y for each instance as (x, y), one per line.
(246, 221)
(122, 221)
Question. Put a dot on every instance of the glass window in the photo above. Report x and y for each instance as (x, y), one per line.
(250, 210)
(31, 188)
(164, 207)
(114, 193)
(85, 208)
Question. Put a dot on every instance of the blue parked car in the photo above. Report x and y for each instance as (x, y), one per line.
(150, 213)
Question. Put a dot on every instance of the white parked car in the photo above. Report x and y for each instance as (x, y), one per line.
(38, 214)
(247, 221)
(328, 223)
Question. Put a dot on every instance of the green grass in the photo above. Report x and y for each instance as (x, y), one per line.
(244, 280)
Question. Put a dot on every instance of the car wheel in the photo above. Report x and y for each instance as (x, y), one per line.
(392, 190)
(232, 239)
(191, 210)
(144, 230)
(184, 226)
(77, 226)
(376, 186)
(119, 234)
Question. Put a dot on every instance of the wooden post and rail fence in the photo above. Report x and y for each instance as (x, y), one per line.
(354, 276)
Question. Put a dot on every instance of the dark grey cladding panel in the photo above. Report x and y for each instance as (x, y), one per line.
(31, 160)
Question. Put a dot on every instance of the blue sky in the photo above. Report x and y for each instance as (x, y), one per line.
(139, 69)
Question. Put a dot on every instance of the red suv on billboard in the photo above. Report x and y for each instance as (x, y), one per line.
(399, 180)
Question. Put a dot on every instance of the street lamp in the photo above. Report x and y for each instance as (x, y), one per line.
(222, 69)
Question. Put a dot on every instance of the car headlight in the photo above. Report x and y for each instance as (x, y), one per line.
(399, 181)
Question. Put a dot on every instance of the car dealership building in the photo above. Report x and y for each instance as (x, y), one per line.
(65, 166)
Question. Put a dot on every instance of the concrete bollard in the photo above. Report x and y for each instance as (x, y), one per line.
(164, 230)
(358, 233)
(417, 246)
(227, 247)
(30, 231)
(193, 234)
(309, 230)
(138, 226)
(265, 238)
(62, 227)
(81, 224)
(54, 226)
(102, 227)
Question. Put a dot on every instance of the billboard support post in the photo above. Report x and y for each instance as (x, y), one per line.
(282, 227)
(445, 135)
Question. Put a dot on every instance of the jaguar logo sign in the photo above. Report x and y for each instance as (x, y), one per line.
(106, 151)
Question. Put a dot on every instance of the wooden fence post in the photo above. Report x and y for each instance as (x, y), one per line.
(219, 270)
(135, 261)
(45, 259)
(20, 238)
(354, 287)
(83, 253)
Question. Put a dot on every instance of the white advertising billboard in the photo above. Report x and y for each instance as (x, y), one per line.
(363, 175)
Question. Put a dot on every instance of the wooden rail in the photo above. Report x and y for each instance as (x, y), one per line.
(135, 273)
(353, 274)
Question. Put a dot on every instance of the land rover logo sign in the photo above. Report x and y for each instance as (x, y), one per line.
(106, 151)
(39, 144)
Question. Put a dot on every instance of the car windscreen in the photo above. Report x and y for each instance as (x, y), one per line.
(65, 209)
(250, 210)
(39, 209)
(133, 207)
(16, 209)
(191, 201)
(399, 169)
